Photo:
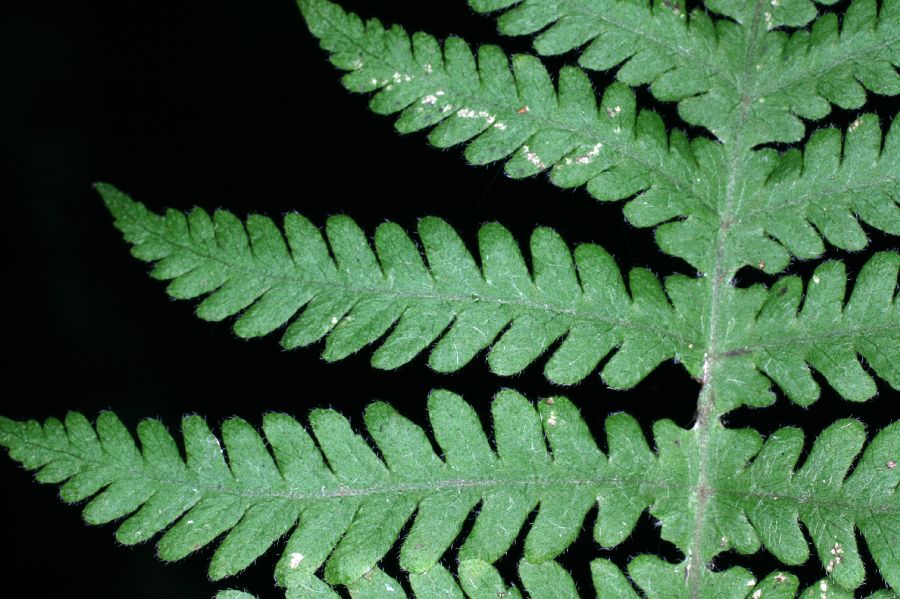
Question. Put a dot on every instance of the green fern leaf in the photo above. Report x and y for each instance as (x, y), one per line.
(341, 499)
(770, 207)
(771, 334)
(516, 115)
(357, 297)
(434, 85)
(767, 204)
(362, 296)
(702, 63)
(346, 506)
(790, 202)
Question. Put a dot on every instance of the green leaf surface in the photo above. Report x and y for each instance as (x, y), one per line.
(443, 301)
(716, 205)
(787, 204)
(452, 501)
(343, 507)
(746, 80)
(393, 297)
(782, 332)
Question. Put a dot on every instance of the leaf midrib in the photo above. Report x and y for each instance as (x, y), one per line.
(854, 333)
(707, 416)
(410, 486)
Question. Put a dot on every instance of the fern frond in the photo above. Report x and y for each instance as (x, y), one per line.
(507, 112)
(771, 332)
(361, 296)
(702, 63)
(680, 186)
(783, 204)
(347, 506)
(790, 202)
(514, 112)
(356, 297)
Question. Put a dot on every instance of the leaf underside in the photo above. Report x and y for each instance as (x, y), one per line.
(342, 507)
(697, 60)
(749, 73)
(784, 205)
(573, 306)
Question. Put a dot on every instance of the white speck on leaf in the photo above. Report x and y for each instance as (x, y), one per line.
(533, 158)
(589, 157)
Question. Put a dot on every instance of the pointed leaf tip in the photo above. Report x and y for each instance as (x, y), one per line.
(115, 199)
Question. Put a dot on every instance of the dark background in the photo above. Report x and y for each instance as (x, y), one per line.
(232, 104)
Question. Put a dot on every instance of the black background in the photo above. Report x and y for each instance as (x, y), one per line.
(232, 104)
